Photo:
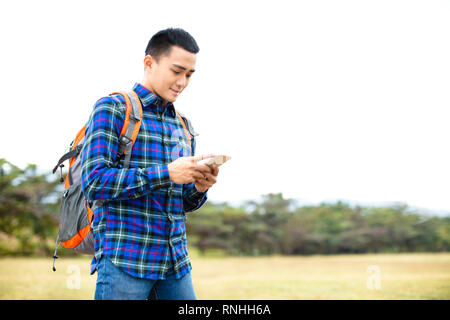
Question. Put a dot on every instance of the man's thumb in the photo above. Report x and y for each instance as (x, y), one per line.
(201, 157)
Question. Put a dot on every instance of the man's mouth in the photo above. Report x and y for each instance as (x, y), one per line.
(176, 92)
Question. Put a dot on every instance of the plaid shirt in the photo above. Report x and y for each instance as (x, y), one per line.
(141, 228)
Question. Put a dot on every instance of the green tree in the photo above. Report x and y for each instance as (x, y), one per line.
(28, 209)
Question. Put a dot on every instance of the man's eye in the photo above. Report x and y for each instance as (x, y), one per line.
(177, 72)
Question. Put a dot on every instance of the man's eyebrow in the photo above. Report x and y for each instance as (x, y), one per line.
(181, 67)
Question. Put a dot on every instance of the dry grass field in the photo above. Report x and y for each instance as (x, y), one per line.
(366, 276)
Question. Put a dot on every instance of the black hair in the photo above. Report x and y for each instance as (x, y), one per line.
(161, 43)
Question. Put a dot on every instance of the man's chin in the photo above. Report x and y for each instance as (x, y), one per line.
(171, 99)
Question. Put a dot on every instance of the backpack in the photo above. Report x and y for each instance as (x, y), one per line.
(75, 229)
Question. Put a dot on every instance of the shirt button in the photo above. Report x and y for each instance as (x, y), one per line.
(170, 218)
(170, 243)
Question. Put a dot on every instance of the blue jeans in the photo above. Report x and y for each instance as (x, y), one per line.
(115, 284)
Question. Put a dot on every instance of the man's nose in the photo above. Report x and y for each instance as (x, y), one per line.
(181, 83)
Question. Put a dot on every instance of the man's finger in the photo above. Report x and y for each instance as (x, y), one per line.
(204, 183)
(201, 182)
(203, 168)
(211, 179)
(215, 169)
(198, 175)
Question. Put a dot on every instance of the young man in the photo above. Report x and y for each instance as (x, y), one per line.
(139, 231)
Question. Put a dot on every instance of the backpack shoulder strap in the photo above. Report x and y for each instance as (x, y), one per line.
(183, 121)
(131, 126)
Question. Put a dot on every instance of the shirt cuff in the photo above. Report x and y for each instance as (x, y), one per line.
(193, 198)
(159, 175)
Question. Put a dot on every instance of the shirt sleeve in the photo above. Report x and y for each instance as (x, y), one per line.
(193, 199)
(99, 179)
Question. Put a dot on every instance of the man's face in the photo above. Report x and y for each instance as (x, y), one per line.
(170, 76)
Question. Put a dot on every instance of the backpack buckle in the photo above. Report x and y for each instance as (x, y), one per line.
(125, 140)
(134, 118)
(120, 156)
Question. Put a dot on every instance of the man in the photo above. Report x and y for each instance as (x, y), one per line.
(139, 232)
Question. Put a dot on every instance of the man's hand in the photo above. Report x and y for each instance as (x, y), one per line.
(186, 170)
(203, 184)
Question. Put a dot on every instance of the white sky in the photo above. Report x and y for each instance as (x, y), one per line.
(320, 100)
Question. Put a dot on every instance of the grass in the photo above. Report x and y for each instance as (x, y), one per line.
(401, 276)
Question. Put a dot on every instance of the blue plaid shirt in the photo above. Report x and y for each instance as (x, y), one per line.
(141, 227)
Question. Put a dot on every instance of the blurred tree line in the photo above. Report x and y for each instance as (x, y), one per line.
(29, 212)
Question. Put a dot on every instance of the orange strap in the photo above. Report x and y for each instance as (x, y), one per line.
(128, 113)
(138, 124)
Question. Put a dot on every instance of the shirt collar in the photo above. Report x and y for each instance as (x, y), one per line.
(149, 99)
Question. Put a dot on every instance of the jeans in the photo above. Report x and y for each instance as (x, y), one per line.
(115, 284)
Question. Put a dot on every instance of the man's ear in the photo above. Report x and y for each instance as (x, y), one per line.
(148, 63)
